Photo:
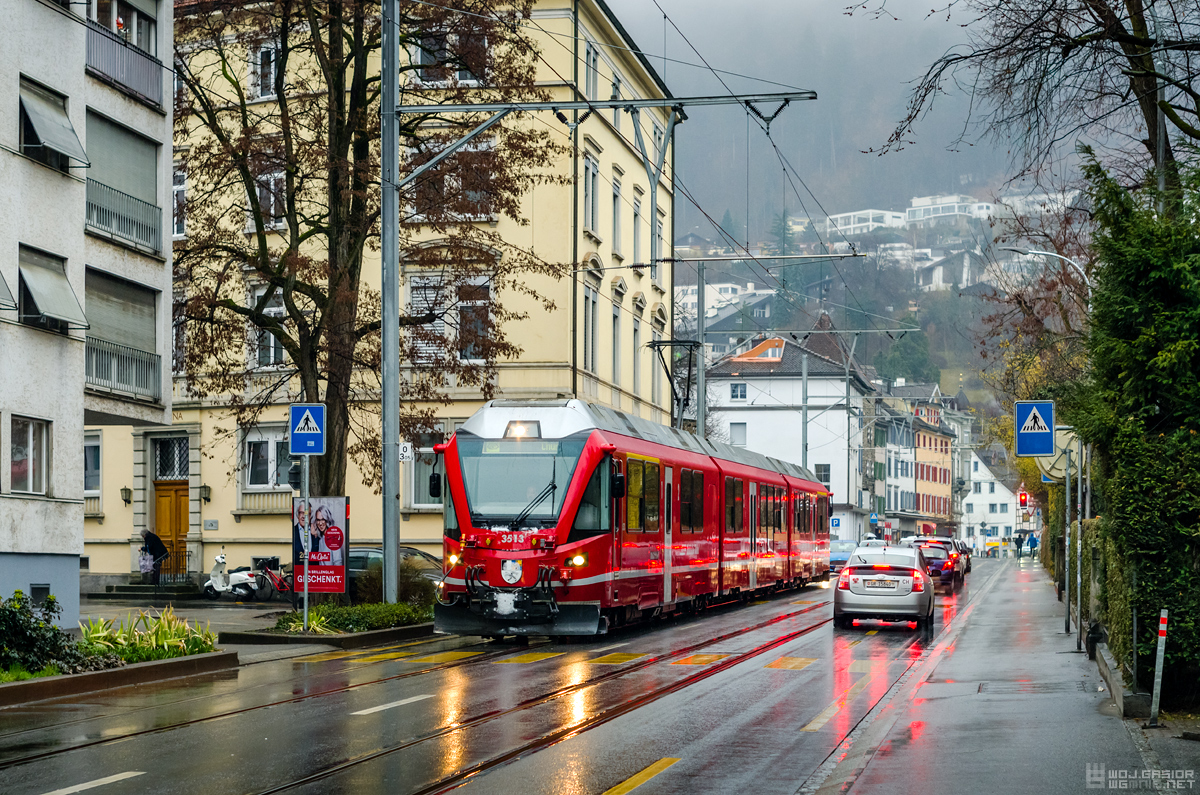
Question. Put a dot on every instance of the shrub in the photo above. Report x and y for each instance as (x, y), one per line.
(29, 641)
(356, 618)
(148, 637)
(18, 673)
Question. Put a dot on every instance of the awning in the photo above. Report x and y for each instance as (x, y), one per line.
(51, 292)
(50, 123)
(6, 299)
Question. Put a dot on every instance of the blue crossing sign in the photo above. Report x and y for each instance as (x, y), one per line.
(306, 429)
(1033, 429)
(874, 518)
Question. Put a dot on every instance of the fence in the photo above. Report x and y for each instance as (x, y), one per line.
(123, 216)
(119, 368)
(111, 57)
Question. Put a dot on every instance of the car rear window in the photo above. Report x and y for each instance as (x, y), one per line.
(934, 551)
(879, 558)
(842, 546)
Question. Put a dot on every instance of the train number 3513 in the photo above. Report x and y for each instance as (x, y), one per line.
(513, 538)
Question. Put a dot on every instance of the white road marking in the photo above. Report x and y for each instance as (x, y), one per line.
(607, 648)
(399, 703)
(100, 782)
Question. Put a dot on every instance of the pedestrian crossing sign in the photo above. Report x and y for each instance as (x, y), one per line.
(306, 429)
(1034, 428)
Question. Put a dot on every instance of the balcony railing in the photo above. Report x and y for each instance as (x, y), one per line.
(111, 57)
(122, 216)
(266, 501)
(119, 368)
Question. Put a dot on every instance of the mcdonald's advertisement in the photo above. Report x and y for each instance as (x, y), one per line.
(326, 525)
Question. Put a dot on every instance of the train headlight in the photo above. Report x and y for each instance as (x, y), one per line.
(578, 559)
(453, 560)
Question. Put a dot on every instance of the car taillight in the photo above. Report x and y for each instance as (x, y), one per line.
(918, 581)
(953, 554)
(844, 580)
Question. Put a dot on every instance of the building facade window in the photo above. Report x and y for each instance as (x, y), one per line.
(171, 458)
(45, 132)
(179, 201)
(591, 76)
(424, 465)
(474, 321)
(822, 473)
(977, 488)
(133, 22)
(636, 252)
(28, 447)
(616, 94)
(269, 351)
(91, 465)
(991, 507)
(1004, 507)
(267, 459)
(737, 391)
(272, 199)
(737, 434)
(591, 194)
(616, 345)
(657, 253)
(991, 488)
(655, 372)
(637, 357)
(616, 217)
(264, 70)
(591, 331)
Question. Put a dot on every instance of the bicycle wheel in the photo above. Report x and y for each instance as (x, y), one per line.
(266, 588)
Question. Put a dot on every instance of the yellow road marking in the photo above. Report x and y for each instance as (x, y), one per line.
(805, 602)
(759, 602)
(873, 632)
(700, 659)
(832, 709)
(391, 655)
(792, 663)
(619, 658)
(853, 643)
(637, 780)
(444, 657)
(328, 655)
(866, 666)
(531, 657)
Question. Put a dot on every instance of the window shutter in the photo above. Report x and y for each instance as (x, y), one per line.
(121, 311)
(122, 160)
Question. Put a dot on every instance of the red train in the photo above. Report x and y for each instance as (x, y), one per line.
(565, 518)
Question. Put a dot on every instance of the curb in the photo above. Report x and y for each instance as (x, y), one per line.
(347, 640)
(13, 693)
(1129, 705)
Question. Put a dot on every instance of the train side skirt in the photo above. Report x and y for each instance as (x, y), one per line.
(458, 619)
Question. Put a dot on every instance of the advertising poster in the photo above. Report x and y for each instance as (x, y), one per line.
(328, 538)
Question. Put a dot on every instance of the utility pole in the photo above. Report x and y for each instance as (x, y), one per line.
(1079, 547)
(389, 232)
(804, 410)
(701, 365)
(1067, 542)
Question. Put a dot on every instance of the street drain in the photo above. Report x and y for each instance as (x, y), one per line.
(1021, 688)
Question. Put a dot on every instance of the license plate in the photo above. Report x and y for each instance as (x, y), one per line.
(880, 583)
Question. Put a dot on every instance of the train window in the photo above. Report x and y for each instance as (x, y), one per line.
(450, 517)
(592, 517)
(685, 501)
(780, 500)
(651, 499)
(738, 520)
(633, 497)
(763, 502)
(697, 502)
(729, 527)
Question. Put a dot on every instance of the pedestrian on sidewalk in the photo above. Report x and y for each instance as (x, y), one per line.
(1019, 542)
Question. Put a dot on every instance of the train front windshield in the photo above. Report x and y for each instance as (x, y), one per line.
(506, 477)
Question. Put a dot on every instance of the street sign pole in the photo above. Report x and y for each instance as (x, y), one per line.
(1079, 547)
(1067, 543)
(307, 533)
(1158, 666)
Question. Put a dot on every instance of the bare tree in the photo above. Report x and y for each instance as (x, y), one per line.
(278, 125)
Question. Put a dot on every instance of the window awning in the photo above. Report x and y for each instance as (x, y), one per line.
(47, 284)
(50, 123)
(6, 299)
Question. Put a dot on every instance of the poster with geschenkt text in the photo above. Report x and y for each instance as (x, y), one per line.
(328, 536)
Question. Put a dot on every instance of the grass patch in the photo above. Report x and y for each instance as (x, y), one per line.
(332, 619)
(17, 673)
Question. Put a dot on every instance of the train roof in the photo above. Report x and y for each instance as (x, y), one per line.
(582, 415)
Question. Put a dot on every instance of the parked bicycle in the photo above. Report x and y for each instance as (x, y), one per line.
(270, 582)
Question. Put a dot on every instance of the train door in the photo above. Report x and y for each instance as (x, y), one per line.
(668, 532)
(618, 523)
(779, 525)
(753, 508)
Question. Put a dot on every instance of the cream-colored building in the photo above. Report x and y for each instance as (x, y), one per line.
(196, 481)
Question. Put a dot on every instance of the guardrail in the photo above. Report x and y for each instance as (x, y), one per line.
(110, 56)
(119, 368)
(123, 216)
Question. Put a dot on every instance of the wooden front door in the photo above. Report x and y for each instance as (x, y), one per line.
(171, 522)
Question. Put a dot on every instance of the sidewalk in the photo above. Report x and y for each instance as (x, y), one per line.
(1003, 703)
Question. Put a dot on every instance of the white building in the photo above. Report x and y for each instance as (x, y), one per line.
(932, 210)
(860, 222)
(757, 399)
(990, 510)
(717, 295)
(85, 268)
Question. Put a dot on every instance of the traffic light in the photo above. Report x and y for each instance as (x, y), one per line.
(1023, 498)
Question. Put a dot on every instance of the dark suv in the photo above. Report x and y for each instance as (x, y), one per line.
(363, 558)
(943, 569)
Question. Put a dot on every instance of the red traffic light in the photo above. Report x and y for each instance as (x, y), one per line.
(1023, 498)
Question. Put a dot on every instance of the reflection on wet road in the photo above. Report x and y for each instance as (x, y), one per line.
(740, 696)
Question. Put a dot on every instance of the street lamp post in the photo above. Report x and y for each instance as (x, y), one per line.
(1078, 268)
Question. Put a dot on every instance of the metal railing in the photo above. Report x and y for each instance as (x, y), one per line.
(123, 216)
(119, 368)
(110, 56)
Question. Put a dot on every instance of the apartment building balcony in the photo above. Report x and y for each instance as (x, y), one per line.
(115, 61)
(122, 217)
(123, 371)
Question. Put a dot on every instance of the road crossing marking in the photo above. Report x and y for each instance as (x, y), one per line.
(637, 780)
(609, 648)
(792, 663)
(391, 655)
(866, 666)
(328, 655)
(700, 659)
(853, 643)
(531, 657)
(444, 657)
(100, 782)
(620, 658)
(833, 708)
(873, 632)
(399, 703)
(805, 602)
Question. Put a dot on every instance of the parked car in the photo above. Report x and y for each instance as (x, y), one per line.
(964, 551)
(361, 559)
(889, 583)
(839, 552)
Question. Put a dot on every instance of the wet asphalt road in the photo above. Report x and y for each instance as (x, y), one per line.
(747, 698)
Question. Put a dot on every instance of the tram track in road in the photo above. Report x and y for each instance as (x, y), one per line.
(461, 777)
(475, 658)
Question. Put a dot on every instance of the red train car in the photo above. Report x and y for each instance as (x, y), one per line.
(565, 518)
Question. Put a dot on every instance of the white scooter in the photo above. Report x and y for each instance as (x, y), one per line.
(240, 583)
